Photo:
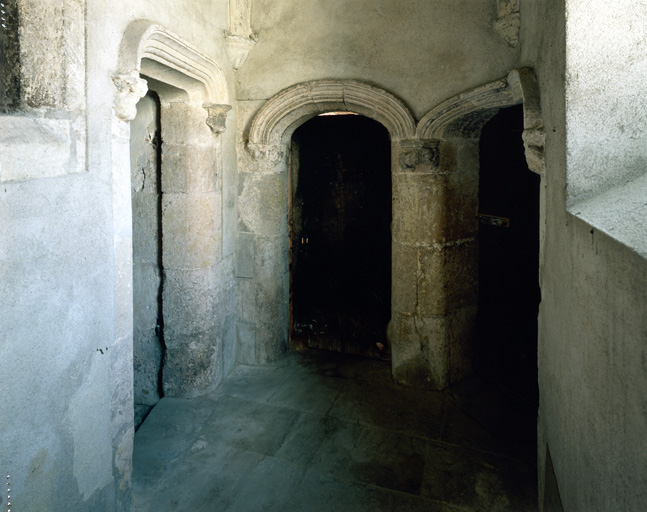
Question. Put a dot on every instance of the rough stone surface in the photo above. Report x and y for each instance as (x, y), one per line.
(262, 203)
(122, 413)
(192, 364)
(604, 89)
(194, 170)
(186, 124)
(448, 278)
(508, 27)
(191, 230)
(10, 58)
(409, 347)
(264, 301)
(404, 288)
(60, 351)
(189, 299)
(198, 313)
(147, 271)
(418, 201)
(601, 68)
(246, 340)
(52, 53)
(435, 259)
(245, 255)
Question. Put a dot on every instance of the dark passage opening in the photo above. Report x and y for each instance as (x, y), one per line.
(508, 258)
(340, 235)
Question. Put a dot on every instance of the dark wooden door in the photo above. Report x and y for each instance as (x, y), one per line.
(341, 240)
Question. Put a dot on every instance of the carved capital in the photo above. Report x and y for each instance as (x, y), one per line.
(238, 48)
(130, 89)
(270, 153)
(217, 118)
(415, 153)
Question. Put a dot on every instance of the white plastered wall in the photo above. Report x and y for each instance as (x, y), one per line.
(589, 59)
(66, 254)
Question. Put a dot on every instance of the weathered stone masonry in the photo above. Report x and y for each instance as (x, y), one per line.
(435, 205)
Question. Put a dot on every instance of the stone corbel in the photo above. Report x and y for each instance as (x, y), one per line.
(240, 38)
(533, 142)
(130, 89)
(415, 153)
(217, 117)
(238, 47)
(508, 21)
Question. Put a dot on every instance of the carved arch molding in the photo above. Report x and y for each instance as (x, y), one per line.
(291, 107)
(152, 50)
(462, 116)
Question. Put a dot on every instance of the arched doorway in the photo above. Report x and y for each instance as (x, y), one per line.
(263, 253)
(340, 258)
(435, 198)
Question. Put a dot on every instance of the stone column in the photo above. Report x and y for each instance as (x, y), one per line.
(191, 246)
(434, 260)
(262, 257)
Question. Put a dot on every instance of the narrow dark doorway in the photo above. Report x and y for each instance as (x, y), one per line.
(148, 337)
(340, 235)
(508, 258)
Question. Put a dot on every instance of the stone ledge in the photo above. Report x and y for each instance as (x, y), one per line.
(32, 148)
(620, 212)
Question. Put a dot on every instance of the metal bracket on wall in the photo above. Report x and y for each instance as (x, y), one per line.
(493, 220)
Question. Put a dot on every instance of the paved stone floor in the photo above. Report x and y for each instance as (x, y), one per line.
(321, 432)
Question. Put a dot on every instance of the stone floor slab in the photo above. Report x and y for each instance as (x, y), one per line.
(373, 456)
(250, 426)
(391, 407)
(320, 432)
(479, 481)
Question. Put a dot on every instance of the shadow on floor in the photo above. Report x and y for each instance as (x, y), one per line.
(323, 432)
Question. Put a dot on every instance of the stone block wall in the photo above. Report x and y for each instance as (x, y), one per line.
(67, 253)
(198, 287)
(435, 272)
(262, 259)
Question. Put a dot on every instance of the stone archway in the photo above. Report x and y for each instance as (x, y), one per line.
(435, 185)
(262, 244)
(193, 93)
(434, 312)
(284, 112)
(464, 115)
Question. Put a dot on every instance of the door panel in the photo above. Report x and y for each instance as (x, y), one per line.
(341, 241)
